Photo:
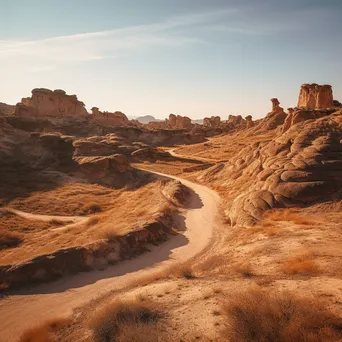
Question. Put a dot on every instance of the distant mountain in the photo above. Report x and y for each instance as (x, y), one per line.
(6, 109)
(146, 119)
(198, 121)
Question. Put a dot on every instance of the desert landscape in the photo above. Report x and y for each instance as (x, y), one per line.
(132, 225)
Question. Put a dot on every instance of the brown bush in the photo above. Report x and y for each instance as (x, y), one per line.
(125, 321)
(9, 239)
(256, 316)
(302, 264)
(91, 208)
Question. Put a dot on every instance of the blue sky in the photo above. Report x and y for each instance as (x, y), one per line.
(190, 57)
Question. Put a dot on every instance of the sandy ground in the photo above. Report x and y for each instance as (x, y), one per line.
(28, 307)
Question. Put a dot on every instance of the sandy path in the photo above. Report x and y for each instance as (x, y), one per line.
(71, 221)
(28, 307)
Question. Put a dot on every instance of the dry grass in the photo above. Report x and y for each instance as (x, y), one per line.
(301, 264)
(126, 321)
(46, 332)
(244, 269)
(68, 199)
(289, 215)
(126, 212)
(91, 208)
(255, 316)
(9, 239)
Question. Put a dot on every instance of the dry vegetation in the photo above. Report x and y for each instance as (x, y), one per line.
(114, 213)
(127, 321)
(255, 316)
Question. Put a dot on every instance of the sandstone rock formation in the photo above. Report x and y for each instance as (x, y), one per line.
(112, 170)
(109, 119)
(314, 96)
(48, 150)
(249, 121)
(179, 122)
(300, 166)
(274, 118)
(213, 121)
(53, 104)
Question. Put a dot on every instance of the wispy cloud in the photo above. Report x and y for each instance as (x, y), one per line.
(106, 44)
(247, 18)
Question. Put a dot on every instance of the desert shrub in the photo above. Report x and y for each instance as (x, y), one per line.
(9, 239)
(302, 264)
(91, 208)
(244, 269)
(44, 332)
(256, 316)
(125, 321)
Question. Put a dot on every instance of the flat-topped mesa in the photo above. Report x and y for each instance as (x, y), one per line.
(50, 103)
(214, 121)
(109, 119)
(314, 96)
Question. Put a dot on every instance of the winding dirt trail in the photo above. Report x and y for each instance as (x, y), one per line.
(28, 307)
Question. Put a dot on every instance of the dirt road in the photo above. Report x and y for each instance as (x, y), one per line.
(31, 306)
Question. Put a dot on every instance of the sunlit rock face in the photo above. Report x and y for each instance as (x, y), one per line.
(109, 119)
(213, 121)
(50, 103)
(314, 96)
(178, 121)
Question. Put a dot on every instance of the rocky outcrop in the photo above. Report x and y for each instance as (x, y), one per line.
(52, 104)
(274, 118)
(109, 119)
(314, 96)
(149, 153)
(48, 150)
(112, 170)
(6, 109)
(300, 166)
(179, 122)
(249, 121)
(213, 121)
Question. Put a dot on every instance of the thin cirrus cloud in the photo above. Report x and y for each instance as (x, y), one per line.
(180, 31)
(106, 44)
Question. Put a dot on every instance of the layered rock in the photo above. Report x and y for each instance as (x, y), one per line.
(179, 122)
(53, 104)
(109, 119)
(213, 121)
(300, 166)
(274, 118)
(249, 121)
(113, 170)
(314, 96)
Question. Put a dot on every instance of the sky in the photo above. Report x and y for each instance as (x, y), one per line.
(189, 57)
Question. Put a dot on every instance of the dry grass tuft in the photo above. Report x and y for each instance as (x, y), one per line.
(9, 239)
(287, 215)
(256, 316)
(244, 269)
(91, 208)
(302, 264)
(126, 321)
(45, 332)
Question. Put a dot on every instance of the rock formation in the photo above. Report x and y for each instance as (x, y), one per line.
(274, 118)
(53, 104)
(181, 122)
(249, 121)
(111, 170)
(314, 96)
(213, 121)
(109, 119)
